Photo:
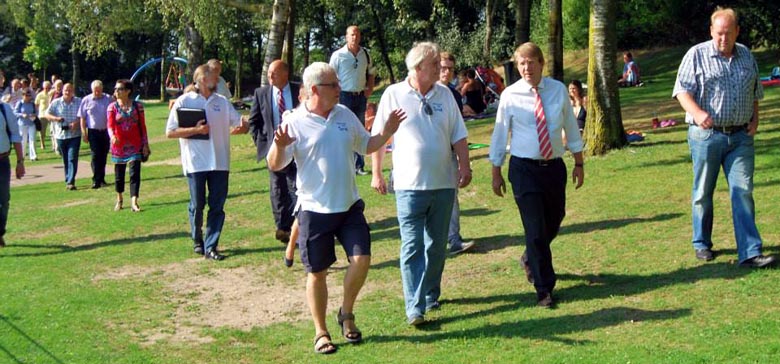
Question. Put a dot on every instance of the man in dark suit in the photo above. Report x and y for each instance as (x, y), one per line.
(270, 103)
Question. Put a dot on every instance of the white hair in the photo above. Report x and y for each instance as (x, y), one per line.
(46, 83)
(313, 75)
(420, 52)
(96, 83)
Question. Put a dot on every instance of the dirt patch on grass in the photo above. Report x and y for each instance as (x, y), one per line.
(240, 298)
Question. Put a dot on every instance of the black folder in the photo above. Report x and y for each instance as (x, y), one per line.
(189, 118)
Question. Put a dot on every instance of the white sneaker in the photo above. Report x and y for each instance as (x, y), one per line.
(462, 247)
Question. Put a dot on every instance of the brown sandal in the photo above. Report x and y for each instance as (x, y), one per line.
(325, 348)
(353, 337)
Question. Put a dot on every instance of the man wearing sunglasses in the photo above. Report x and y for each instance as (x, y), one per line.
(424, 182)
(355, 72)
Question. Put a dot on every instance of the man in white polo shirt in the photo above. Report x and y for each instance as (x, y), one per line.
(353, 68)
(422, 173)
(206, 161)
(321, 136)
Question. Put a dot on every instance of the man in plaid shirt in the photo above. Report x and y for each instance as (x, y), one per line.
(718, 86)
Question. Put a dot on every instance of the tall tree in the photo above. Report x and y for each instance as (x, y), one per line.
(490, 10)
(555, 41)
(604, 128)
(273, 50)
(522, 21)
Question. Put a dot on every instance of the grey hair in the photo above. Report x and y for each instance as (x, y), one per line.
(200, 73)
(420, 52)
(46, 83)
(313, 75)
(96, 83)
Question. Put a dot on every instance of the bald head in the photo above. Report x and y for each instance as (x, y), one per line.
(353, 37)
(278, 73)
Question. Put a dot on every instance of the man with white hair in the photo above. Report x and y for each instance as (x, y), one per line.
(42, 104)
(94, 130)
(422, 173)
(206, 162)
(321, 137)
(216, 66)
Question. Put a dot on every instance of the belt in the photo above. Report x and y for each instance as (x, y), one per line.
(6, 154)
(96, 129)
(539, 162)
(729, 129)
(351, 93)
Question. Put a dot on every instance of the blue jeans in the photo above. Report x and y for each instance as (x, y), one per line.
(356, 103)
(217, 182)
(69, 148)
(5, 191)
(423, 218)
(735, 153)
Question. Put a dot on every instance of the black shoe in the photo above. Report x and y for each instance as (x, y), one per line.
(70, 187)
(283, 236)
(104, 184)
(198, 248)
(705, 254)
(759, 261)
(2, 242)
(361, 172)
(544, 299)
(213, 254)
(95, 186)
(433, 306)
(527, 268)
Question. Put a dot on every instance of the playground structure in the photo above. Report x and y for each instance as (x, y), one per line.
(176, 79)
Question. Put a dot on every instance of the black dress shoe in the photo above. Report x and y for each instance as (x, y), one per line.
(283, 236)
(95, 186)
(213, 254)
(544, 299)
(759, 261)
(527, 268)
(705, 254)
(197, 247)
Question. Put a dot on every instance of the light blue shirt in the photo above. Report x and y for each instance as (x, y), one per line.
(5, 143)
(723, 87)
(94, 110)
(69, 111)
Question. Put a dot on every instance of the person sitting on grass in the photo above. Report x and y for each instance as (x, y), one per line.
(630, 76)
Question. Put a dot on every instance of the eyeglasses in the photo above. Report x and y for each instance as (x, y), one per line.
(120, 89)
(332, 84)
(426, 107)
(27, 94)
(445, 68)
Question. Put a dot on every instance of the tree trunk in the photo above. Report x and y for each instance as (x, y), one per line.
(380, 28)
(490, 6)
(522, 21)
(306, 47)
(239, 68)
(555, 41)
(276, 36)
(163, 92)
(604, 127)
(289, 43)
(74, 60)
(194, 45)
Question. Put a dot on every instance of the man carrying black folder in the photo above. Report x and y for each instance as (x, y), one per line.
(205, 155)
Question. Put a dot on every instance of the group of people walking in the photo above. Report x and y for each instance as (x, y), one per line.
(313, 138)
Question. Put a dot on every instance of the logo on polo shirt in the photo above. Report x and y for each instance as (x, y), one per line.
(342, 126)
(437, 106)
(216, 107)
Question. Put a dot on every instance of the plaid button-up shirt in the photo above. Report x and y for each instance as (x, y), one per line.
(70, 112)
(723, 87)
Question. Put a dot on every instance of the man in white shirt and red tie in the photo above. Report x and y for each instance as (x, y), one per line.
(534, 110)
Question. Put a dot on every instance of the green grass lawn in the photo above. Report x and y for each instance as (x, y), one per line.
(80, 283)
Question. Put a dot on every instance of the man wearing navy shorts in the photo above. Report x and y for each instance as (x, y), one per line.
(321, 137)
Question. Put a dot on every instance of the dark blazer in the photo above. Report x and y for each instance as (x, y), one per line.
(261, 117)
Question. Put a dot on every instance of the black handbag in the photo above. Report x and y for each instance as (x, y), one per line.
(38, 125)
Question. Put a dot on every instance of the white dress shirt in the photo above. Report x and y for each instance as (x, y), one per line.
(515, 116)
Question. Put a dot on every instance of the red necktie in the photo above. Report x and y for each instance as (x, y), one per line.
(545, 147)
(280, 104)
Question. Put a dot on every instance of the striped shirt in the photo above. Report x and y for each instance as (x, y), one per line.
(723, 87)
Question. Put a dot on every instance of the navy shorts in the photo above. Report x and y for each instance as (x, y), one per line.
(317, 233)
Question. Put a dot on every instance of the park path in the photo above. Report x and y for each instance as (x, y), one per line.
(44, 172)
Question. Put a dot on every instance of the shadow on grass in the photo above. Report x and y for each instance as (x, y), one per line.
(27, 337)
(64, 249)
(551, 328)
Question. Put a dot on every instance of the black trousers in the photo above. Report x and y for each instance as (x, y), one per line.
(135, 177)
(99, 144)
(540, 194)
(283, 196)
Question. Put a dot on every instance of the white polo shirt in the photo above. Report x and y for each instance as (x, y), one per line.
(516, 116)
(422, 146)
(351, 78)
(324, 152)
(198, 155)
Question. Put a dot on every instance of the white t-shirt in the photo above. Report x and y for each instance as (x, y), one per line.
(351, 69)
(324, 152)
(422, 146)
(222, 88)
(199, 155)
